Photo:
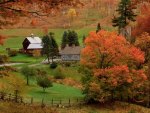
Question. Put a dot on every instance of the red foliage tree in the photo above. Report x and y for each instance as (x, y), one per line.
(143, 42)
(143, 24)
(113, 61)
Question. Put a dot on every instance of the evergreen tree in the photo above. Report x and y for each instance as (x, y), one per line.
(98, 27)
(46, 46)
(75, 36)
(126, 14)
(50, 47)
(54, 46)
(70, 38)
(64, 40)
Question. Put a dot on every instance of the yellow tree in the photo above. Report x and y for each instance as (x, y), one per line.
(71, 15)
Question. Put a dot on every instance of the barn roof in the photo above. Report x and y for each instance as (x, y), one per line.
(71, 50)
(34, 40)
(35, 46)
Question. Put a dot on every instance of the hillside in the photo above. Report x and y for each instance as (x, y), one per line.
(88, 15)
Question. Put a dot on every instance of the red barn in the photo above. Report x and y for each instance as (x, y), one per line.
(32, 43)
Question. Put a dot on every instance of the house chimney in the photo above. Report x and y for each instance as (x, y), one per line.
(32, 35)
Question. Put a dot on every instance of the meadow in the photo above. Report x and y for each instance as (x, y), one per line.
(15, 37)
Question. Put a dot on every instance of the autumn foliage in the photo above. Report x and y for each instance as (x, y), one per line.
(113, 63)
(143, 18)
(143, 42)
(12, 10)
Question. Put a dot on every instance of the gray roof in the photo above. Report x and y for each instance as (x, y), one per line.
(73, 50)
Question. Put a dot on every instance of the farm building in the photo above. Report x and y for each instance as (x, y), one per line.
(70, 53)
(32, 43)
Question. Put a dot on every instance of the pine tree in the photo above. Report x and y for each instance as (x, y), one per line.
(70, 38)
(126, 14)
(50, 47)
(64, 40)
(75, 36)
(98, 27)
(54, 46)
(46, 46)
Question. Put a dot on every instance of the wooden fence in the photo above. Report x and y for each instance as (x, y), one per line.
(52, 102)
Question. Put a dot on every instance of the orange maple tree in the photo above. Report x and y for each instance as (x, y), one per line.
(143, 18)
(143, 42)
(112, 60)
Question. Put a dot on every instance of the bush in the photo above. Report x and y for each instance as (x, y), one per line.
(3, 59)
(12, 53)
(59, 73)
(66, 64)
(53, 65)
(44, 82)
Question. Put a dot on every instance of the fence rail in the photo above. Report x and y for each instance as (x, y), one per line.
(52, 102)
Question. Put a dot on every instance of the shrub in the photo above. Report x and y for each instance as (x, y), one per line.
(66, 64)
(12, 53)
(3, 59)
(53, 65)
(59, 73)
(44, 82)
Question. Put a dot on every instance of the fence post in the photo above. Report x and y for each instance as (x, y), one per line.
(21, 99)
(9, 96)
(2, 95)
(69, 102)
(77, 100)
(31, 100)
(60, 101)
(16, 95)
(42, 105)
(52, 102)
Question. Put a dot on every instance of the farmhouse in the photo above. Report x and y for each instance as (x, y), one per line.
(32, 43)
(70, 53)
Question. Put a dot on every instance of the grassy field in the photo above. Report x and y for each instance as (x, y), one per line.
(26, 59)
(57, 92)
(16, 36)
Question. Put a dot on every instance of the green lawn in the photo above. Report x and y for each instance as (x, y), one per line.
(57, 92)
(25, 58)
